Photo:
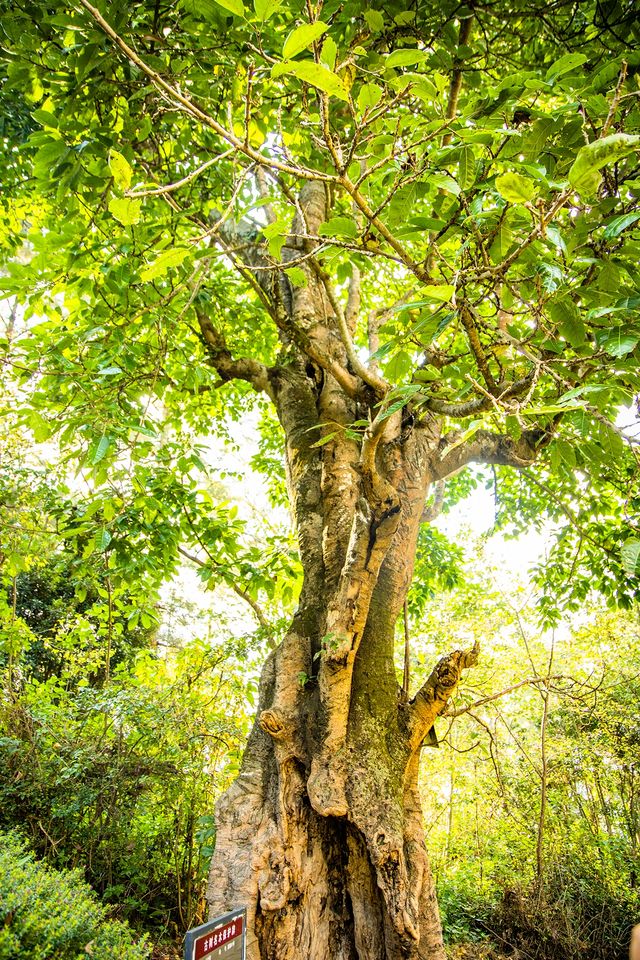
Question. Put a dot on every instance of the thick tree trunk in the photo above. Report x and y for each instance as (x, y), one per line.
(356, 887)
(321, 836)
(353, 886)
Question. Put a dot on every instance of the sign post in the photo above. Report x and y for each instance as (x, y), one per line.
(225, 937)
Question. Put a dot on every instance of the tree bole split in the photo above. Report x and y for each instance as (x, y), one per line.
(321, 836)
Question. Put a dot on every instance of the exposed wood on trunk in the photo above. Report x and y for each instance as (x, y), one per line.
(321, 836)
(433, 696)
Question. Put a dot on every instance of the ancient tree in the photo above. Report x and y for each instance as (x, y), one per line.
(411, 231)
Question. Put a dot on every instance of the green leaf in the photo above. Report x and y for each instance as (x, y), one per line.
(502, 242)
(442, 181)
(339, 227)
(265, 9)
(233, 6)
(566, 315)
(125, 211)
(375, 20)
(100, 451)
(439, 292)
(514, 429)
(406, 58)
(40, 427)
(617, 343)
(120, 170)
(297, 276)
(302, 37)
(109, 371)
(102, 539)
(398, 366)
(467, 168)
(44, 118)
(326, 439)
(370, 95)
(276, 234)
(471, 430)
(616, 226)
(564, 65)
(567, 452)
(515, 188)
(329, 52)
(631, 555)
(583, 175)
(167, 259)
(315, 74)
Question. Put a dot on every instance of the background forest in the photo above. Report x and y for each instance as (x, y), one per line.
(248, 253)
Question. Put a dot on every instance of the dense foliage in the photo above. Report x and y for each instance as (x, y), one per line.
(532, 812)
(482, 166)
(478, 250)
(52, 915)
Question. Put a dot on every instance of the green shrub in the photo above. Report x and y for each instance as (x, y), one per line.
(47, 914)
(584, 912)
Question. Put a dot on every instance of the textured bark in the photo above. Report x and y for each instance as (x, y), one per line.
(352, 883)
(321, 836)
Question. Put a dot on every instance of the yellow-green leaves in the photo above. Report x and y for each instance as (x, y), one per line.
(440, 292)
(406, 58)
(566, 315)
(618, 225)
(375, 20)
(565, 64)
(125, 211)
(275, 234)
(329, 53)
(233, 6)
(584, 175)
(314, 74)
(99, 449)
(166, 260)
(297, 276)
(302, 37)
(467, 168)
(264, 9)
(319, 75)
(514, 188)
(339, 227)
(631, 555)
(120, 170)
(398, 366)
(370, 95)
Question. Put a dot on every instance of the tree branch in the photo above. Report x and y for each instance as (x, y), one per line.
(487, 447)
(469, 324)
(531, 681)
(377, 383)
(254, 372)
(456, 79)
(434, 509)
(171, 187)
(197, 112)
(432, 698)
(257, 609)
(479, 404)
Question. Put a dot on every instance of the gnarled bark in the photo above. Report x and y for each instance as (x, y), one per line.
(321, 836)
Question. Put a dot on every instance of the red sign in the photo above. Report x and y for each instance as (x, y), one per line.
(224, 941)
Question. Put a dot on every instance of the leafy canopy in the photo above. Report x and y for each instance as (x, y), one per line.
(481, 168)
